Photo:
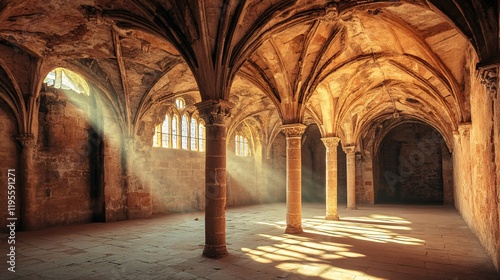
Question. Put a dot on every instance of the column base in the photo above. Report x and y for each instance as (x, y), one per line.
(332, 217)
(351, 208)
(293, 230)
(215, 251)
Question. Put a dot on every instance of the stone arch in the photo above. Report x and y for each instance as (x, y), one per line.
(70, 136)
(412, 164)
(313, 165)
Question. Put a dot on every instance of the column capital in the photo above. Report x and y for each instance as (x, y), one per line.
(27, 140)
(464, 129)
(215, 112)
(489, 78)
(331, 142)
(293, 130)
(350, 149)
(129, 143)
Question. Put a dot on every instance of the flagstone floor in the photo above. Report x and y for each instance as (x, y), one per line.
(373, 242)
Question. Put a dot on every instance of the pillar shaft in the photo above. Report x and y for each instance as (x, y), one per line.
(215, 114)
(28, 190)
(293, 134)
(331, 144)
(351, 176)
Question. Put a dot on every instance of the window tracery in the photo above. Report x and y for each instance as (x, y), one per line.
(180, 129)
(241, 145)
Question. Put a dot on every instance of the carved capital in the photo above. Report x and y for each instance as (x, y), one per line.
(294, 130)
(464, 129)
(489, 79)
(331, 12)
(145, 47)
(129, 143)
(93, 14)
(359, 158)
(215, 112)
(331, 142)
(351, 149)
(27, 140)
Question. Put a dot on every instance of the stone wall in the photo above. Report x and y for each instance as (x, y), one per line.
(275, 170)
(243, 186)
(178, 180)
(9, 153)
(61, 160)
(411, 168)
(364, 179)
(476, 148)
(115, 195)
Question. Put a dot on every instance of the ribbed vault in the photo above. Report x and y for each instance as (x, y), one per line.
(341, 64)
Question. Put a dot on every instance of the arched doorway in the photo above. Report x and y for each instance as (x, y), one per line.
(413, 166)
(314, 168)
(313, 165)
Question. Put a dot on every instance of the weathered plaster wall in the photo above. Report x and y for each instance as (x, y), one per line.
(9, 153)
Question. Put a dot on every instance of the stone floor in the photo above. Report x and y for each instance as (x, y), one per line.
(373, 242)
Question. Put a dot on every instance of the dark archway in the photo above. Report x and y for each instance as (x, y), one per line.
(410, 159)
(313, 166)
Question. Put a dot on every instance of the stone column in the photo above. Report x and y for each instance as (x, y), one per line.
(215, 115)
(351, 176)
(28, 191)
(331, 144)
(293, 134)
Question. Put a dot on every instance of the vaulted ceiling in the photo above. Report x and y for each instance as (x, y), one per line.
(345, 65)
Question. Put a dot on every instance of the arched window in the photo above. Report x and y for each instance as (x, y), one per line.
(165, 132)
(241, 145)
(157, 136)
(194, 139)
(179, 130)
(201, 137)
(67, 80)
(237, 144)
(184, 132)
(175, 131)
(246, 151)
(180, 103)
